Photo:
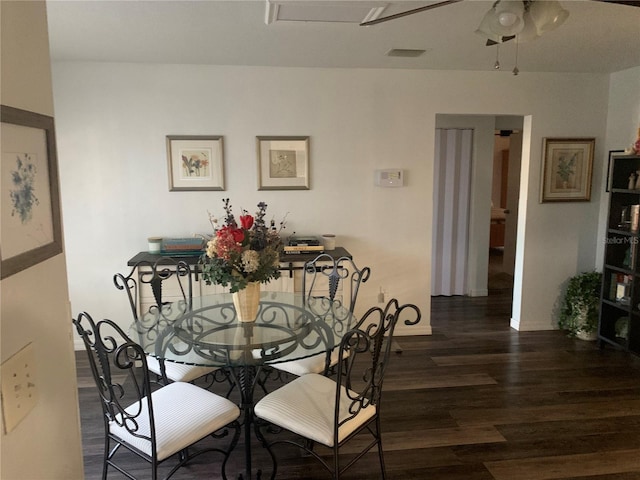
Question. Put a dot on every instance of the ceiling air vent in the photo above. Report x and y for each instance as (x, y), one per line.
(405, 52)
(344, 11)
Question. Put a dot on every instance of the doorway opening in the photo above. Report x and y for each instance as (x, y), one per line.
(505, 190)
(473, 264)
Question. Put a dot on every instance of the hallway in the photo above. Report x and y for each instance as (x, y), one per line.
(498, 279)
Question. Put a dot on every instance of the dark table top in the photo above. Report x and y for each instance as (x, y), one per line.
(192, 259)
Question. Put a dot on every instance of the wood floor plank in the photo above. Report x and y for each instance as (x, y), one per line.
(500, 358)
(408, 381)
(431, 438)
(566, 466)
(574, 411)
(442, 437)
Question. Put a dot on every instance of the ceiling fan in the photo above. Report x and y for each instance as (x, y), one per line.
(444, 3)
(508, 19)
(524, 20)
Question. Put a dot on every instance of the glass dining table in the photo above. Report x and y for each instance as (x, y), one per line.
(206, 332)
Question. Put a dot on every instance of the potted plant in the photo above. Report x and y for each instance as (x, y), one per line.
(580, 305)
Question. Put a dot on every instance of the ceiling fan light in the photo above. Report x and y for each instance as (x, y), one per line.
(547, 15)
(484, 29)
(507, 19)
(529, 32)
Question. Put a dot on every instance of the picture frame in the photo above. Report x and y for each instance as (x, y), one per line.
(195, 162)
(30, 221)
(567, 169)
(283, 163)
(609, 183)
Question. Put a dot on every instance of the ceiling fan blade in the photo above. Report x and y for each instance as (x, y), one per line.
(631, 3)
(409, 12)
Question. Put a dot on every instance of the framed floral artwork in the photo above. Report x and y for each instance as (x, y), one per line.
(283, 163)
(195, 163)
(567, 169)
(30, 230)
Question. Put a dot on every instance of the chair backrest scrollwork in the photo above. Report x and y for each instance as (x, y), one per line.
(325, 268)
(156, 274)
(121, 385)
(362, 380)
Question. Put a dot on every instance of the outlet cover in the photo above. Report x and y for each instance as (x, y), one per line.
(19, 391)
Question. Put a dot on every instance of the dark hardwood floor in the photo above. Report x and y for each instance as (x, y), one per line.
(474, 401)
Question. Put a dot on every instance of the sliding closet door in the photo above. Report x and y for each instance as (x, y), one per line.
(451, 192)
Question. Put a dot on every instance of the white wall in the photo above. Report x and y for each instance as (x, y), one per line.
(35, 302)
(113, 119)
(624, 109)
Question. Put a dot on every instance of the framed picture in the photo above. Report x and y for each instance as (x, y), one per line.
(283, 163)
(195, 163)
(567, 169)
(612, 153)
(30, 230)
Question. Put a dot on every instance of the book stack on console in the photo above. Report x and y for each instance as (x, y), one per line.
(298, 245)
(182, 246)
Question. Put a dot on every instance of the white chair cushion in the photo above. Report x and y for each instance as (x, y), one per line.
(178, 372)
(306, 406)
(183, 413)
(304, 366)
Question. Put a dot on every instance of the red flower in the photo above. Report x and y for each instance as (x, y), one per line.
(246, 221)
(236, 233)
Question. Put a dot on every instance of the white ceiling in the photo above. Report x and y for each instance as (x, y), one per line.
(597, 37)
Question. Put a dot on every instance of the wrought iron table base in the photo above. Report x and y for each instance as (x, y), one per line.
(246, 378)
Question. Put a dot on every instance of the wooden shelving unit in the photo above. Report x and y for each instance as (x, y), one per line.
(620, 298)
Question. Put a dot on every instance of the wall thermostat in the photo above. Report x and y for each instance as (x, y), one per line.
(390, 178)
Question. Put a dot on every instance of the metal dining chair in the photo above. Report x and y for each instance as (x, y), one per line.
(154, 425)
(157, 275)
(321, 280)
(319, 409)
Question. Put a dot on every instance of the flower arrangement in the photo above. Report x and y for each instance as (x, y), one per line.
(238, 254)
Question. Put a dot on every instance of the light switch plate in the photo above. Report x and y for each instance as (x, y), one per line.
(19, 390)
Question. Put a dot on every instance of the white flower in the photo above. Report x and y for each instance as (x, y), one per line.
(250, 261)
(211, 248)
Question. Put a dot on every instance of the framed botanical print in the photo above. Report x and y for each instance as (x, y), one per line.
(283, 163)
(30, 230)
(195, 163)
(567, 169)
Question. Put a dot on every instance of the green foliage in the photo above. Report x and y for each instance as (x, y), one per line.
(220, 272)
(580, 305)
(566, 167)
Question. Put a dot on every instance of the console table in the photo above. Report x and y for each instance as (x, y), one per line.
(289, 262)
(291, 266)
